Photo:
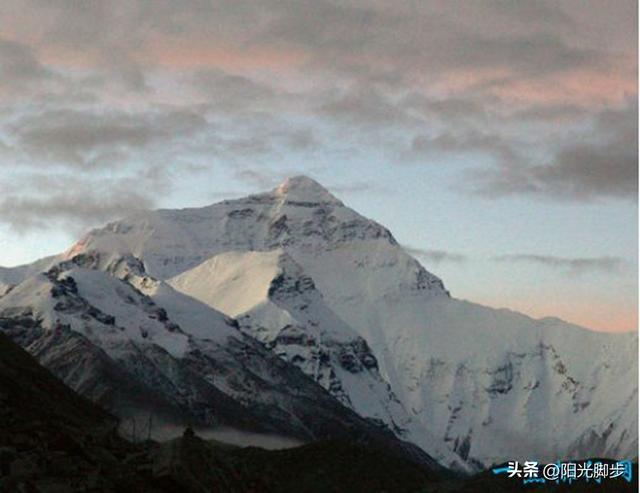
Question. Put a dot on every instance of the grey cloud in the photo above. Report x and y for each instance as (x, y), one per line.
(265, 140)
(93, 141)
(77, 138)
(117, 65)
(303, 139)
(75, 202)
(255, 134)
(366, 106)
(475, 110)
(428, 36)
(571, 265)
(247, 146)
(532, 56)
(230, 91)
(436, 256)
(365, 42)
(603, 164)
(581, 172)
(366, 67)
(73, 205)
(549, 113)
(454, 109)
(19, 66)
(470, 141)
(544, 13)
(358, 39)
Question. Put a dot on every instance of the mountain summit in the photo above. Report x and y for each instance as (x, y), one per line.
(313, 290)
(303, 189)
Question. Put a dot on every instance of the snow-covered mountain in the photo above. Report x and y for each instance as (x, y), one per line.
(332, 293)
(273, 300)
(151, 354)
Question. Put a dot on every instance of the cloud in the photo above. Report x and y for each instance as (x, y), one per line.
(602, 164)
(464, 142)
(409, 38)
(365, 106)
(127, 85)
(20, 66)
(436, 256)
(463, 109)
(230, 91)
(573, 266)
(361, 42)
(558, 112)
(73, 211)
(73, 202)
(88, 138)
(579, 172)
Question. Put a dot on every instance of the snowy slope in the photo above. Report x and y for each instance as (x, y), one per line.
(140, 348)
(277, 303)
(477, 379)
(231, 282)
(11, 276)
(516, 387)
(172, 241)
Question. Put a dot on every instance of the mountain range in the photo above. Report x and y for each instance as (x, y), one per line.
(289, 314)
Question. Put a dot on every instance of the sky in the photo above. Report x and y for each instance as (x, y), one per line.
(498, 140)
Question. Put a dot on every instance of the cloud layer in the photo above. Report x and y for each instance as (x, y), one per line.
(436, 256)
(540, 95)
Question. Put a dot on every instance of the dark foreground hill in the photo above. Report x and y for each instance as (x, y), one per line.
(53, 440)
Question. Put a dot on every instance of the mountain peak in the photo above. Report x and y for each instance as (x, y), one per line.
(301, 188)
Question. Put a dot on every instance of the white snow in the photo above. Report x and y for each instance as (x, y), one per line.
(109, 295)
(473, 383)
(232, 282)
